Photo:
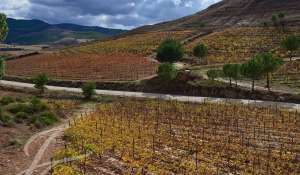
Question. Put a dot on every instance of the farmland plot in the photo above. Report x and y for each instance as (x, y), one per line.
(158, 137)
(84, 67)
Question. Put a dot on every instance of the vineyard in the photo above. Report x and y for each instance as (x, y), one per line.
(157, 137)
(238, 44)
(83, 67)
(138, 44)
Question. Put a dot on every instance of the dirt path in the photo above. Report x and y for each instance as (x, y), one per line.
(40, 146)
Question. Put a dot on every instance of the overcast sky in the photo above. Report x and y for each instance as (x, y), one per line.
(125, 14)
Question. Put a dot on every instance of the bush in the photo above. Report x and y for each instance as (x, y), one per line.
(40, 82)
(17, 107)
(200, 51)
(36, 105)
(167, 72)
(6, 119)
(45, 119)
(170, 50)
(89, 90)
(213, 74)
(6, 100)
(21, 116)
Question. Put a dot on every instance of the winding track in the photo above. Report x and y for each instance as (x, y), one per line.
(50, 135)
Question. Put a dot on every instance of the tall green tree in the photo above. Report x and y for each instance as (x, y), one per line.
(269, 64)
(200, 51)
(253, 70)
(281, 18)
(275, 20)
(227, 71)
(291, 44)
(232, 71)
(236, 72)
(170, 50)
(3, 27)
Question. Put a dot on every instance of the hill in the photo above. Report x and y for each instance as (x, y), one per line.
(28, 32)
(228, 13)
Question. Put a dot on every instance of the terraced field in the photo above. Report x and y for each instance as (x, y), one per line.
(238, 44)
(138, 44)
(84, 67)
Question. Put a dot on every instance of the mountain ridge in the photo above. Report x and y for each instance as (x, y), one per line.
(228, 13)
(28, 32)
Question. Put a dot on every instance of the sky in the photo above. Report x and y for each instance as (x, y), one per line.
(123, 14)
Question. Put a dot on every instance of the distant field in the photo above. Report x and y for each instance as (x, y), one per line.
(138, 44)
(83, 67)
(237, 44)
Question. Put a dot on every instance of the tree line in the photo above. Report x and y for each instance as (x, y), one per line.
(261, 65)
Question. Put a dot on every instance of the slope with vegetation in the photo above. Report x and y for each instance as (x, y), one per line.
(238, 44)
(138, 44)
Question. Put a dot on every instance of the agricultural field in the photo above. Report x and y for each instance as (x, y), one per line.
(84, 67)
(138, 44)
(238, 44)
(159, 137)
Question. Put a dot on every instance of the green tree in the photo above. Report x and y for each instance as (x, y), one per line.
(40, 82)
(3, 27)
(170, 50)
(275, 20)
(270, 64)
(200, 51)
(236, 72)
(88, 90)
(2, 67)
(167, 72)
(291, 44)
(252, 70)
(232, 71)
(281, 18)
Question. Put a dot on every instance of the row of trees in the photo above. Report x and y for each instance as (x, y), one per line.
(261, 65)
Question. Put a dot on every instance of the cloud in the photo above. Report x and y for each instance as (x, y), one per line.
(107, 13)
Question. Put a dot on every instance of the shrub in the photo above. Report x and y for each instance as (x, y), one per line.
(200, 51)
(6, 119)
(89, 90)
(40, 81)
(17, 107)
(21, 116)
(45, 119)
(36, 105)
(6, 100)
(167, 72)
(170, 50)
(212, 74)
(14, 142)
